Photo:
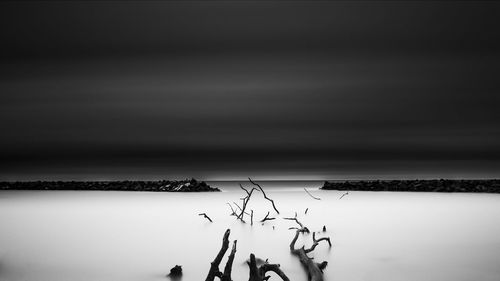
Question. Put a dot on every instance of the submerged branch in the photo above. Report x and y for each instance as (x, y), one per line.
(265, 196)
(259, 273)
(267, 218)
(226, 276)
(317, 198)
(314, 270)
(233, 213)
(316, 242)
(205, 215)
(347, 193)
(214, 266)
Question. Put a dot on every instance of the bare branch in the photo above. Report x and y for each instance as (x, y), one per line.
(317, 198)
(347, 193)
(265, 196)
(246, 190)
(314, 270)
(229, 264)
(292, 244)
(233, 213)
(302, 228)
(267, 218)
(245, 202)
(266, 267)
(214, 266)
(205, 215)
(241, 209)
(316, 242)
(259, 274)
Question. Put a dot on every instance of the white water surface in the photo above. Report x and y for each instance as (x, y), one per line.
(377, 236)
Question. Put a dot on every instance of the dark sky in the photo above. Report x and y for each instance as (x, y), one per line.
(219, 90)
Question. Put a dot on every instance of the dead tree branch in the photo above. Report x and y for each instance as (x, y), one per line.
(214, 266)
(265, 196)
(267, 218)
(226, 276)
(314, 270)
(301, 228)
(347, 193)
(245, 203)
(233, 213)
(239, 208)
(259, 273)
(316, 242)
(317, 198)
(205, 215)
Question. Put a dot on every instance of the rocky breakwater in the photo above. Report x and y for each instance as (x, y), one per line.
(441, 185)
(188, 185)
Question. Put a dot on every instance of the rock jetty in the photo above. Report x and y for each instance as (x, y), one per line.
(187, 185)
(441, 185)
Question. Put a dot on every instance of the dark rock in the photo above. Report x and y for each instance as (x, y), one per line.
(191, 185)
(441, 185)
(176, 271)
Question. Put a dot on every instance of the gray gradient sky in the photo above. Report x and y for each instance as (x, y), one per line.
(222, 90)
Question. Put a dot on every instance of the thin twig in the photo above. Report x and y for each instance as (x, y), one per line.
(316, 242)
(302, 228)
(265, 196)
(347, 193)
(267, 218)
(238, 206)
(205, 215)
(214, 265)
(229, 263)
(317, 198)
(233, 213)
(245, 202)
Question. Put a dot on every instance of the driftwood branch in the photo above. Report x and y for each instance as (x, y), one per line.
(301, 228)
(256, 273)
(233, 213)
(226, 276)
(245, 203)
(214, 266)
(266, 267)
(242, 212)
(237, 206)
(259, 273)
(263, 193)
(316, 242)
(347, 193)
(314, 270)
(317, 198)
(267, 218)
(205, 215)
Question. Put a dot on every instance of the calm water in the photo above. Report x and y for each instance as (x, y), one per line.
(139, 236)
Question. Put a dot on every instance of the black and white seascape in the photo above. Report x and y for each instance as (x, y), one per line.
(249, 140)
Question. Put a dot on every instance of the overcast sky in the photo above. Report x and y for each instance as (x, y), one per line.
(219, 90)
